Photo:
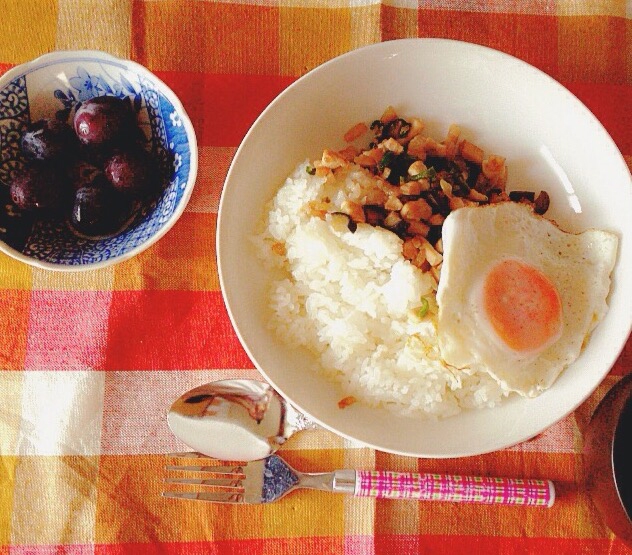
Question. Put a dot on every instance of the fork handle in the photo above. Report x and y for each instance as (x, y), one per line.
(461, 489)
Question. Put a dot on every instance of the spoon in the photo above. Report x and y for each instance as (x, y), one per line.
(243, 420)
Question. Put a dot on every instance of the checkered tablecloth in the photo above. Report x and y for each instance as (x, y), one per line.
(89, 362)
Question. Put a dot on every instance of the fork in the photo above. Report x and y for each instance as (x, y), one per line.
(269, 479)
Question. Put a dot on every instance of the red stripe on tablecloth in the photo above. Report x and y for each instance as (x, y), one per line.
(223, 107)
(66, 329)
(438, 545)
(611, 106)
(624, 362)
(323, 545)
(233, 102)
(532, 38)
(171, 330)
(454, 545)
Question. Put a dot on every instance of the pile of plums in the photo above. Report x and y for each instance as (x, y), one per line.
(94, 172)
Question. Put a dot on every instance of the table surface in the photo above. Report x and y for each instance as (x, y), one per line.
(90, 361)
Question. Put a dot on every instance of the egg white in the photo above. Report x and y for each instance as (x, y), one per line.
(579, 265)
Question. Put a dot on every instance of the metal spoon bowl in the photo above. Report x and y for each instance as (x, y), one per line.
(242, 420)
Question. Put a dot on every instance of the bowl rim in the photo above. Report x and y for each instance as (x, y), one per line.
(221, 232)
(63, 56)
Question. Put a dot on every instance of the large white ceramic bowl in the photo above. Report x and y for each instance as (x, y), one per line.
(551, 141)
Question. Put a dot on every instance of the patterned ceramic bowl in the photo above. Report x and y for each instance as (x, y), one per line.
(55, 84)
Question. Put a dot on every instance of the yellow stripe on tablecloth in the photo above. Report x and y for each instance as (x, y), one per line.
(360, 513)
(14, 274)
(311, 36)
(569, 517)
(207, 36)
(130, 507)
(590, 49)
(213, 164)
(399, 22)
(10, 415)
(95, 24)
(94, 280)
(329, 4)
(54, 500)
(27, 29)
(287, 518)
(365, 25)
(183, 260)
(593, 7)
(7, 479)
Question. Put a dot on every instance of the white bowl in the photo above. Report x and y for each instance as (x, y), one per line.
(552, 142)
(55, 84)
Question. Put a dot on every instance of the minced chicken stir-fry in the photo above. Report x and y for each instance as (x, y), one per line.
(418, 182)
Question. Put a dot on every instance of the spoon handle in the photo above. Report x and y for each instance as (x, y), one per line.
(462, 489)
(296, 421)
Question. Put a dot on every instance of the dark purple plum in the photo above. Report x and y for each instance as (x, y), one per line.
(99, 210)
(84, 174)
(132, 172)
(48, 139)
(93, 172)
(38, 187)
(105, 120)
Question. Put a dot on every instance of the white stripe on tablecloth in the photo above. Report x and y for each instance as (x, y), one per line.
(89, 412)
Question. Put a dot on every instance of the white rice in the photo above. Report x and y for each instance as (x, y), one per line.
(350, 299)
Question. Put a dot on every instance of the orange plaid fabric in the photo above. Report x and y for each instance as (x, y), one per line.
(89, 362)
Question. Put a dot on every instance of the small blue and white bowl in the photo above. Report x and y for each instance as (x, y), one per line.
(54, 84)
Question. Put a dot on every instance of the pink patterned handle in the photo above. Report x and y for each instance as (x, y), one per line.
(463, 489)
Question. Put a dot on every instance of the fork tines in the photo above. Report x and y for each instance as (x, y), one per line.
(214, 496)
(226, 479)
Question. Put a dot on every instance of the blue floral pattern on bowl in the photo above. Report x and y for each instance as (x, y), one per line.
(78, 77)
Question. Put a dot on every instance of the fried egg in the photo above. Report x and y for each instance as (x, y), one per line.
(518, 297)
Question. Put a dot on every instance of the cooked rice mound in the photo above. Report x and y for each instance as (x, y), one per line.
(354, 301)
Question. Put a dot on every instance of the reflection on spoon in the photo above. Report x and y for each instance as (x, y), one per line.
(242, 420)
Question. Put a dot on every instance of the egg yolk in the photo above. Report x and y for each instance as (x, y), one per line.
(522, 305)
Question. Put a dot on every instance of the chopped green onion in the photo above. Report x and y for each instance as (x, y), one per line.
(311, 170)
(388, 156)
(429, 173)
(423, 309)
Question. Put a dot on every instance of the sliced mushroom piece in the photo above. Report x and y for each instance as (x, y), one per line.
(522, 196)
(374, 214)
(340, 220)
(541, 203)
